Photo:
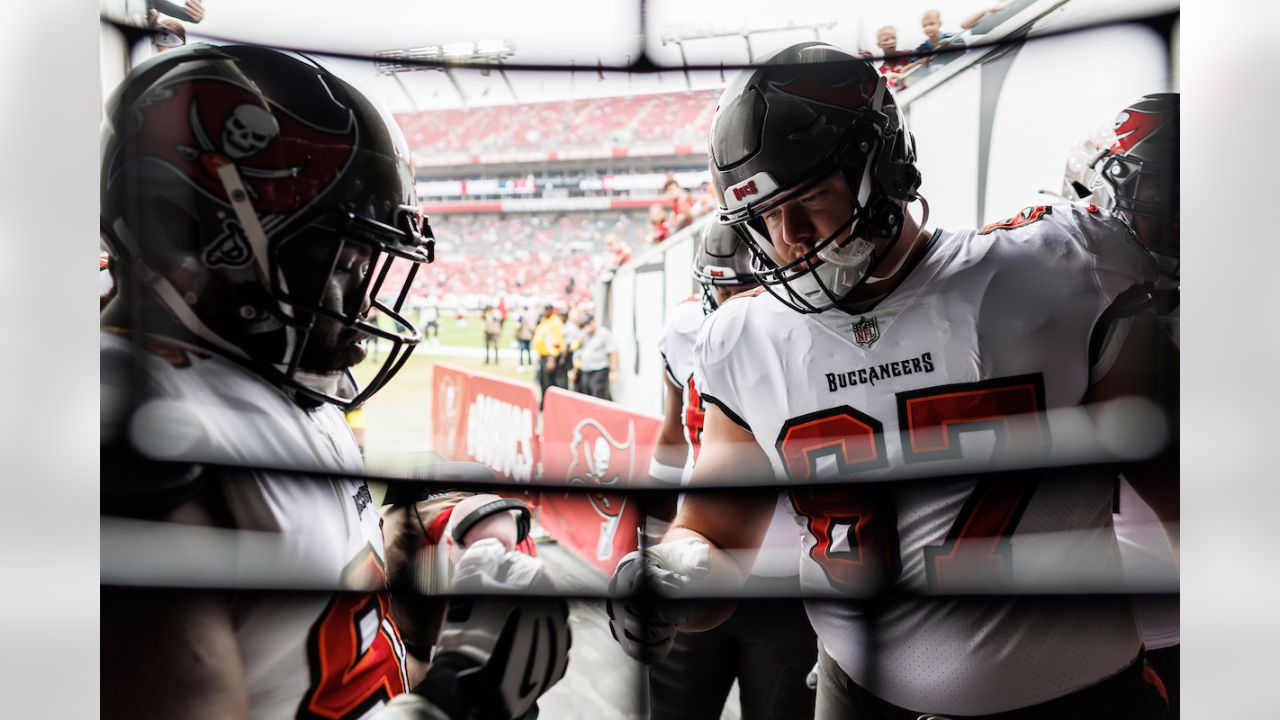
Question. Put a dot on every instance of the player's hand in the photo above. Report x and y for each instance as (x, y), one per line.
(488, 568)
(195, 9)
(496, 657)
(642, 622)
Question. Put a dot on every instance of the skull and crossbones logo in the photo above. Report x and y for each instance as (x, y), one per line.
(248, 131)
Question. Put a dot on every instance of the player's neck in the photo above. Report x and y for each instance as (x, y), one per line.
(894, 267)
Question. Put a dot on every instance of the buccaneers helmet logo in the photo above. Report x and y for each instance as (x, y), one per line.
(846, 93)
(1132, 127)
(197, 126)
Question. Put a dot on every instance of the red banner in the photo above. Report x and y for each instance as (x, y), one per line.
(599, 445)
(485, 419)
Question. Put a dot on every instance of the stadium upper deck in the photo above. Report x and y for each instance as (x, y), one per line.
(639, 125)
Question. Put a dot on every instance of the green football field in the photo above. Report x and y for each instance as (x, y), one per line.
(398, 418)
(470, 333)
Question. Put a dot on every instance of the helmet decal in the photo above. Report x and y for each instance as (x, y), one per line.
(286, 163)
(851, 93)
(231, 249)
(1134, 126)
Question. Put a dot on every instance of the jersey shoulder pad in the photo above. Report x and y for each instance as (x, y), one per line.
(721, 331)
(1026, 216)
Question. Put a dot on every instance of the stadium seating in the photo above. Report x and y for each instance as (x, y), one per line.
(616, 121)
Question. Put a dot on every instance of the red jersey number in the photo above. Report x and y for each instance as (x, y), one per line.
(977, 549)
(354, 652)
(855, 532)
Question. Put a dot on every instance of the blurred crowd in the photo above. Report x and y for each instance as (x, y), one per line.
(529, 257)
(683, 117)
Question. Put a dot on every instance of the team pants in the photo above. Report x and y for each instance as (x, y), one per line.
(1130, 694)
(768, 645)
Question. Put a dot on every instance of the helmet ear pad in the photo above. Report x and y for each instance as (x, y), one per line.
(894, 172)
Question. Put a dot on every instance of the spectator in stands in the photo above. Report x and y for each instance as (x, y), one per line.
(704, 201)
(658, 229)
(166, 33)
(492, 329)
(894, 65)
(596, 357)
(621, 251)
(548, 345)
(524, 338)
(935, 39)
(681, 204)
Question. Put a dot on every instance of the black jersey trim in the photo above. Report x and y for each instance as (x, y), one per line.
(727, 411)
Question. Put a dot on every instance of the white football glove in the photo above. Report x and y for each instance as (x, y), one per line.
(495, 655)
(487, 568)
(643, 623)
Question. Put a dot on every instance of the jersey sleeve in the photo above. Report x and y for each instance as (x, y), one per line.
(715, 372)
(1062, 275)
(1077, 248)
(676, 342)
(133, 484)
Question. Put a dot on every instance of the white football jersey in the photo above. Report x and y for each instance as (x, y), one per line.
(310, 655)
(989, 324)
(779, 549)
(676, 345)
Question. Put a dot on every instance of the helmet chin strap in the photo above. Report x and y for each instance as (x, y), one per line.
(324, 383)
(873, 279)
(169, 295)
(257, 237)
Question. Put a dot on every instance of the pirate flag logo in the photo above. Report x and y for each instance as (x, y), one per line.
(601, 462)
(196, 126)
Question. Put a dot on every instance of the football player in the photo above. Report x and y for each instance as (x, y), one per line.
(694, 678)
(1131, 169)
(256, 206)
(879, 350)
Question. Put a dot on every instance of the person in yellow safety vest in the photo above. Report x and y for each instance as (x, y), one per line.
(548, 345)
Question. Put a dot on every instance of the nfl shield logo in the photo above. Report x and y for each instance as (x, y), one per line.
(865, 332)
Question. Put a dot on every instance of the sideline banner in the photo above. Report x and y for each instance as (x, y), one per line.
(600, 445)
(484, 419)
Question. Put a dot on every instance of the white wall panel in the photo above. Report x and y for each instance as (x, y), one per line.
(945, 125)
(1057, 90)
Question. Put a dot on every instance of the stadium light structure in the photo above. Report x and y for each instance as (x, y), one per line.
(442, 58)
(679, 36)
